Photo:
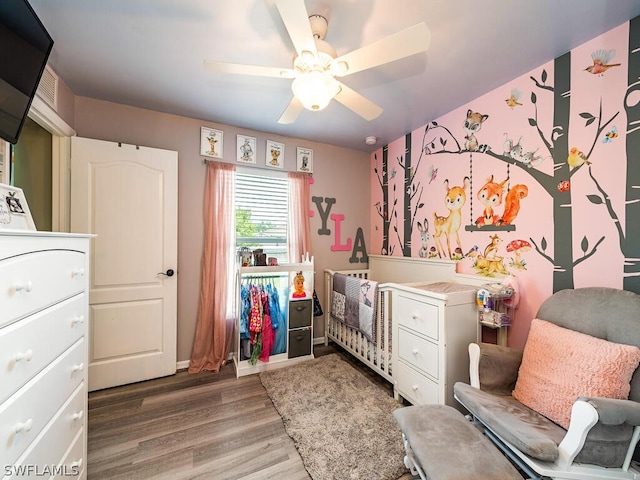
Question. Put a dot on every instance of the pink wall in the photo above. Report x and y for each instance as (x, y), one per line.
(574, 238)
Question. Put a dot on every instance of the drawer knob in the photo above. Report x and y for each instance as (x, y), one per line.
(78, 319)
(415, 351)
(414, 388)
(24, 356)
(24, 287)
(77, 416)
(78, 368)
(24, 427)
(78, 272)
(415, 317)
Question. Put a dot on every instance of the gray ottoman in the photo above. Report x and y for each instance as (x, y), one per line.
(442, 444)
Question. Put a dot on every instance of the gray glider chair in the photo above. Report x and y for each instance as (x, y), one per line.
(601, 434)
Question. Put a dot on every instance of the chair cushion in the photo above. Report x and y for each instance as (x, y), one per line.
(560, 365)
(526, 430)
(448, 447)
(537, 436)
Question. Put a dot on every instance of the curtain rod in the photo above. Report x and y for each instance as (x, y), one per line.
(274, 170)
(265, 277)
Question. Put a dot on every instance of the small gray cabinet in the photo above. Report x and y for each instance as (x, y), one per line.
(300, 327)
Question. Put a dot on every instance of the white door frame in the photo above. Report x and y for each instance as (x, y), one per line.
(45, 116)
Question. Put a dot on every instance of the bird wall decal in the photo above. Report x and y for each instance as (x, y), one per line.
(514, 98)
(576, 158)
(601, 59)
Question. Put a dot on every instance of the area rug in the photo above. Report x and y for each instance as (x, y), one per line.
(339, 420)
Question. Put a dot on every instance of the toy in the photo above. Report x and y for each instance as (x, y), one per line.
(298, 286)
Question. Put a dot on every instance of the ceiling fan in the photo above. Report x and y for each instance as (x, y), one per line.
(316, 64)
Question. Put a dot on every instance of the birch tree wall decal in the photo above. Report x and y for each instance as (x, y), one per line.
(630, 242)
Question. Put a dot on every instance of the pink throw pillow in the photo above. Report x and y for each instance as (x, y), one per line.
(560, 365)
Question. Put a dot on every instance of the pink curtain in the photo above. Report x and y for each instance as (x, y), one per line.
(299, 231)
(214, 333)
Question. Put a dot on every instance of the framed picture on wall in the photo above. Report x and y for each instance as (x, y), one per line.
(274, 157)
(304, 159)
(246, 149)
(211, 142)
(14, 211)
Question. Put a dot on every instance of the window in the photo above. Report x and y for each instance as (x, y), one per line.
(262, 213)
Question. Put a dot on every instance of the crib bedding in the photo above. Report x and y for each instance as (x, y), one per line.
(370, 341)
(353, 302)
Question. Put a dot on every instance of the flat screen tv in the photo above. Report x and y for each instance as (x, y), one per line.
(25, 46)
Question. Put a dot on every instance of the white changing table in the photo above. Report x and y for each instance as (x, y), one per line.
(433, 325)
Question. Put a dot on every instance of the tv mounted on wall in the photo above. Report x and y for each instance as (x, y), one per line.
(25, 46)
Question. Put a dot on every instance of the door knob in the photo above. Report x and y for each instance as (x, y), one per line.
(169, 273)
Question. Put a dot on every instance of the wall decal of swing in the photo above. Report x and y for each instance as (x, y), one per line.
(491, 196)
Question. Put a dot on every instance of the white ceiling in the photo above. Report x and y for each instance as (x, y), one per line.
(150, 53)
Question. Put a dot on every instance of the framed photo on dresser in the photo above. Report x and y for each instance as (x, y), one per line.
(14, 210)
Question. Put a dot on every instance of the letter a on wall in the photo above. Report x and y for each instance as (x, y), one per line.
(358, 246)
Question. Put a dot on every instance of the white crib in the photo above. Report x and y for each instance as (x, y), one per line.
(385, 270)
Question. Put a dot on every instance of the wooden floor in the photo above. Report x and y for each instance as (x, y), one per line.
(201, 426)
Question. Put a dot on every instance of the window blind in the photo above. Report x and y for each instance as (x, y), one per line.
(262, 213)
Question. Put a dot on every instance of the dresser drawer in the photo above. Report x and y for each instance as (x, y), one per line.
(418, 352)
(52, 445)
(29, 345)
(24, 415)
(74, 462)
(416, 314)
(413, 386)
(33, 281)
(300, 313)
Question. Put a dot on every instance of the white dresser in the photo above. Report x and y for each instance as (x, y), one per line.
(43, 354)
(433, 324)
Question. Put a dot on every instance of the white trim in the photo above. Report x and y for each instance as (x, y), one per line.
(61, 179)
(182, 365)
(5, 152)
(47, 118)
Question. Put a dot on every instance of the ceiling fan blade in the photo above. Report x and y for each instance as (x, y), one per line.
(407, 42)
(357, 103)
(296, 20)
(291, 112)
(240, 69)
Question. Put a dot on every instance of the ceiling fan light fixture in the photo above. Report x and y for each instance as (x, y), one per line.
(319, 26)
(307, 56)
(339, 69)
(315, 89)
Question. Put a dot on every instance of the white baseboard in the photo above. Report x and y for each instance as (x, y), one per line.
(185, 363)
(182, 365)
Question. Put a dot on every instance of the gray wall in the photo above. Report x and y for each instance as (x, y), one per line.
(338, 173)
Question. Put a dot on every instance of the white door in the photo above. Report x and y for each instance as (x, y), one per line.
(128, 197)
